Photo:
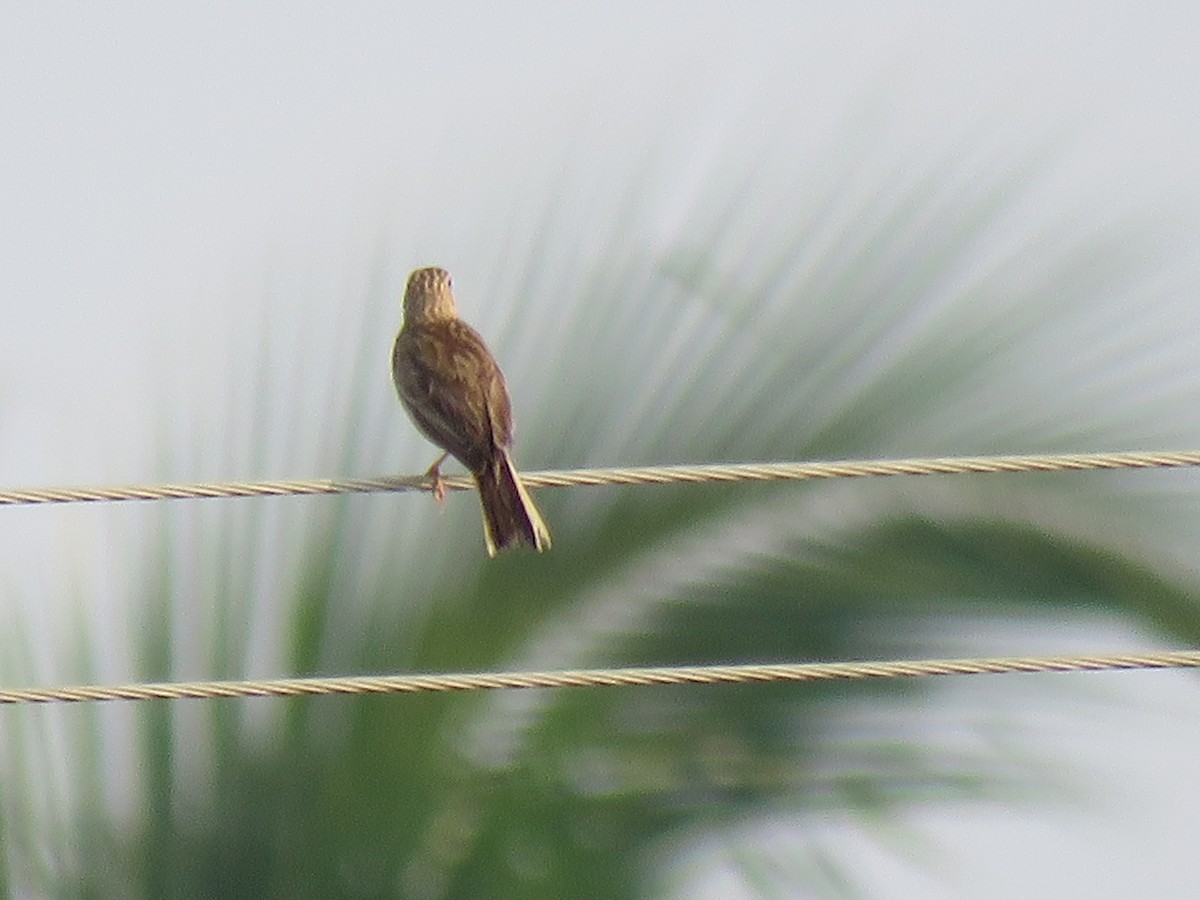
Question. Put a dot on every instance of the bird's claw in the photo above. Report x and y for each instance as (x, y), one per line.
(438, 488)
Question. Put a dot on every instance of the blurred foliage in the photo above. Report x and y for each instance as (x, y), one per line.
(806, 323)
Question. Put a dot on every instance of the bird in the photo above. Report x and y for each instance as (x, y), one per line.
(452, 388)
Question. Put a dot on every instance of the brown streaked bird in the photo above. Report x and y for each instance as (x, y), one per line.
(454, 391)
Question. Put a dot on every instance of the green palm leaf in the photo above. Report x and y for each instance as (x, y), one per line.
(912, 320)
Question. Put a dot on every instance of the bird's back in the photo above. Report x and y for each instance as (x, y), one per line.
(453, 389)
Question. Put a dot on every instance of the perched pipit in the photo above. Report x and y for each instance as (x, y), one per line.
(454, 391)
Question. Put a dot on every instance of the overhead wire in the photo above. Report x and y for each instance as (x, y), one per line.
(601, 677)
(629, 475)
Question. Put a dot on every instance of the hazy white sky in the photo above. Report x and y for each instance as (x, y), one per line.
(162, 165)
(165, 169)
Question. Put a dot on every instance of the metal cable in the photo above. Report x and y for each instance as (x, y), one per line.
(740, 674)
(793, 471)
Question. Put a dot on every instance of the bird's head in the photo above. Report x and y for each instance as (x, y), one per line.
(429, 296)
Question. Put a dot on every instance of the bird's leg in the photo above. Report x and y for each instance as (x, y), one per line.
(439, 486)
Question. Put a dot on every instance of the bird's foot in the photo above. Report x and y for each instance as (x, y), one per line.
(439, 485)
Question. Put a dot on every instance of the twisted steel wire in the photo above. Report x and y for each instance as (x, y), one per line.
(626, 677)
(787, 471)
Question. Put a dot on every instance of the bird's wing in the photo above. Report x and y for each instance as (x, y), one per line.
(453, 389)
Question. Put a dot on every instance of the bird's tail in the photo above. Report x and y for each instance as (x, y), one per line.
(509, 516)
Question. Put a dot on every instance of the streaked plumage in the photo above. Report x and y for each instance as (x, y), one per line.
(454, 391)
